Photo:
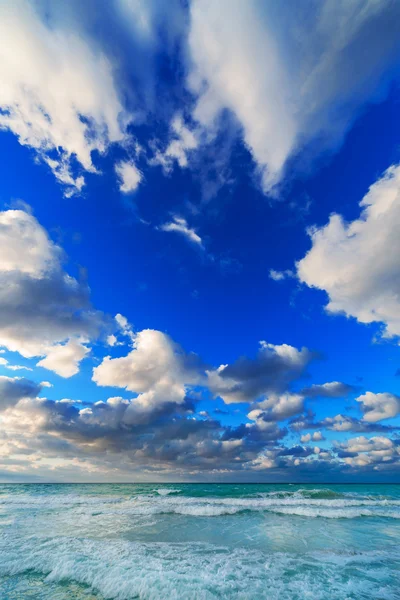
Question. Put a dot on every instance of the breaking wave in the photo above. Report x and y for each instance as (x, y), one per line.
(153, 541)
(122, 570)
(303, 503)
(167, 491)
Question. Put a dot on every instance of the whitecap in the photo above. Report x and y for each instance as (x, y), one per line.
(167, 491)
(122, 570)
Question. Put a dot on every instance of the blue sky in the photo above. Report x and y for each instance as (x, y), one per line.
(197, 170)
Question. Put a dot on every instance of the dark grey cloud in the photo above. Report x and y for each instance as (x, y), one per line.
(13, 389)
(41, 305)
(342, 423)
(165, 435)
(334, 389)
(124, 436)
(254, 434)
(271, 371)
(296, 451)
(41, 311)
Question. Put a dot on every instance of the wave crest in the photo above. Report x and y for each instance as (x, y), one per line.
(123, 570)
(303, 503)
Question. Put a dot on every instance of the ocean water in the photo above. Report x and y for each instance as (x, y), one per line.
(185, 541)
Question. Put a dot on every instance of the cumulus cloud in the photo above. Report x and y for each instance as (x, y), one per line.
(315, 437)
(290, 75)
(64, 359)
(333, 389)
(43, 311)
(278, 407)
(46, 384)
(12, 389)
(116, 434)
(157, 369)
(378, 407)
(25, 246)
(112, 340)
(128, 175)
(124, 436)
(179, 225)
(271, 372)
(356, 263)
(339, 422)
(58, 94)
(372, 452)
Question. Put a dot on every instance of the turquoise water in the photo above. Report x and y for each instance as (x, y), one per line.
(185, 541)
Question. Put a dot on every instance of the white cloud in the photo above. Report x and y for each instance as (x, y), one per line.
(128, 175)
(178, 150)
(357, 263)
(370, 452)
(264, 461)
(4, 362)
(346, 423)
(291, 74)
(25, 246)
(43, 311)
(58, 94)
(315, 437)
(64, 359)
(156, 369)
(363, 444)
(124, 327)
(339, 423)
(280, 406)
(377, 407)
(112, 340)
(46, 384)
(179, 225)
(281, 275)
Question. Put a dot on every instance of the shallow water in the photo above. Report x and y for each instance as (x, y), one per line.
(286, 542)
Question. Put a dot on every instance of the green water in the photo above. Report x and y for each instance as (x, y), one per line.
(203, 541)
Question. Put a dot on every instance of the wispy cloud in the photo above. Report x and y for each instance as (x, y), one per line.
(180, 225)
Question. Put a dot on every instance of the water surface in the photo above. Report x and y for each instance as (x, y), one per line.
(186, 541)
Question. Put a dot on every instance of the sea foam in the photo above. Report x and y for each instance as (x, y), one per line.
(123, 570)
(166, 500)
(199, 542)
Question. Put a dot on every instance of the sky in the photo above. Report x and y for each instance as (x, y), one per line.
(199, 265)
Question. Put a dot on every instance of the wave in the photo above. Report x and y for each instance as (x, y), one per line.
(167, 491)
(57, 499)
(303, 503)
(332, 513)
(323, 494)
(213, 507)
(123, 570)
(211, 510)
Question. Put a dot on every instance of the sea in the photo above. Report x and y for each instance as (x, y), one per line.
(199, 541)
